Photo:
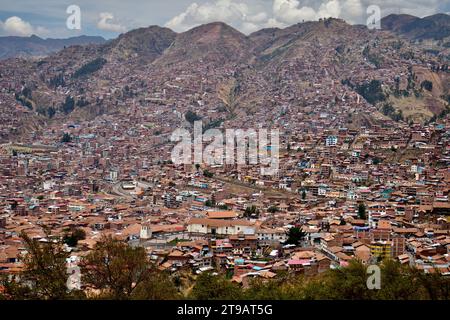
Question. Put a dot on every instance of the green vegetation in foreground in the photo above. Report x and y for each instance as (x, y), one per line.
(114, 270)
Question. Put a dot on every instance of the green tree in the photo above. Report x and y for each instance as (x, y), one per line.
(51, 111)
(90, 67)
(295, 235)
(66, 138)
(349, 283)
(371, 91)
(45, 273)
(208, 174)
(428, 85)
(399, 282)
(68, 105)
(251, 211)
(215, 287)
(157, 286)
(435, 285)
(71, 239)
(266, 290)
(115, 268)
(191, 116)
(376, 161)
(303, 194)
(362, 211)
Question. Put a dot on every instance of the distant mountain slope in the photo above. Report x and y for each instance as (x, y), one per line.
(215, 41)
(144, 43)
(11, 47)
(436, 27)
(222, 73)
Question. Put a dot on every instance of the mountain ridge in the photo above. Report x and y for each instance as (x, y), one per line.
(32, 46)
(222, 72)
(435, 27)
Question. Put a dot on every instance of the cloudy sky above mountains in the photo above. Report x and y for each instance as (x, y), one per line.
(108, 18)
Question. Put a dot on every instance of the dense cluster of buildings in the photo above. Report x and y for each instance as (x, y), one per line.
(358, 184)
(109, 180)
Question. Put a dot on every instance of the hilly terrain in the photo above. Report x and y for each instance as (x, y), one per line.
(435, 27)
(213, 42)
(35, 46)
(223, 76)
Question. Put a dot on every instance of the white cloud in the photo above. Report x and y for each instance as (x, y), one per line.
(292, 11)
(239, 15)
(253, 15)
(328, 9)
(274, 23)
(257, 18)
(353, 7)
(15, 26)
(245, 15)
(248, 17)
(289, 11)
(106, 25)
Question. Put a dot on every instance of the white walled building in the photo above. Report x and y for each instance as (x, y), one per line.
(220, 227)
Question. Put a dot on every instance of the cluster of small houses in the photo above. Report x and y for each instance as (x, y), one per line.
(114, 177)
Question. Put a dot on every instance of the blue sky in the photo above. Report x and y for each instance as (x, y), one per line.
(108, 18)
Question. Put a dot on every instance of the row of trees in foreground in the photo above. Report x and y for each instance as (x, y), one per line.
(114, 270)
